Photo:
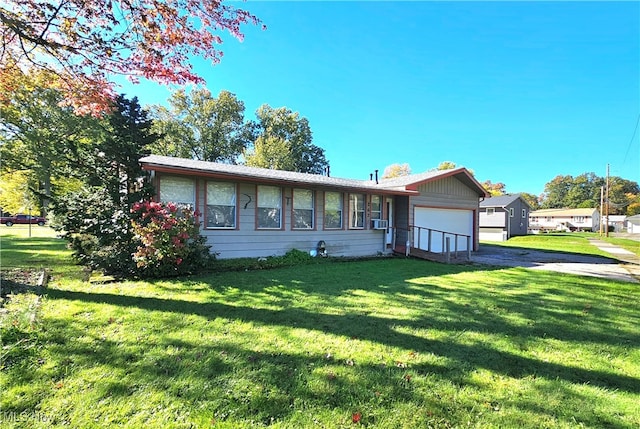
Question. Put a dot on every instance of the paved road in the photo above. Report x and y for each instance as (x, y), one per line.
(571, 263)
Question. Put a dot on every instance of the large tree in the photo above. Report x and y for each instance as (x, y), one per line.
(555, 192)
(449, 165)
(200, 126)
(446, 165)
(396, 170)
(85, 42)
(531, 199)
(97, 219)
(15, 196)
(128, 139)
(494, 189)
(283, 140)
(587, 190)
(623, 196)
(41, 137)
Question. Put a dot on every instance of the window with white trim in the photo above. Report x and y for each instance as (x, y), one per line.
(356, 211)
(269, 211)
(376, 207)
(178, 190)
(511, 212)
(524, 213)
(332, 210)
(221, 205)
(303, 209)
(490, 211)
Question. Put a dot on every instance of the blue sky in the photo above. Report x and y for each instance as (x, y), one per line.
(519, 92)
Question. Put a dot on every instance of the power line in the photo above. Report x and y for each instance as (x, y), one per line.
(631, 141)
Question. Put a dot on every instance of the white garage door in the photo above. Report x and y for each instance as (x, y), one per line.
(443, 223)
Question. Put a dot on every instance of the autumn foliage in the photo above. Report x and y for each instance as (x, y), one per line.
(86, 42)
(169, 240)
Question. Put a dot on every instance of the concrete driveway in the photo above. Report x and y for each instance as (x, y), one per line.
(571, 263)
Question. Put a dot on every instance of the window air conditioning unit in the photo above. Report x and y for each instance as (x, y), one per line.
(380, 224)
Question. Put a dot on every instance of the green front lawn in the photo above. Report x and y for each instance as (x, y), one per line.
(572, 242)
(386, 343)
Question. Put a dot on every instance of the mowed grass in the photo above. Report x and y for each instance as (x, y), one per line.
(43, 250)
(625, 243)
(572, 242)
(387, 343)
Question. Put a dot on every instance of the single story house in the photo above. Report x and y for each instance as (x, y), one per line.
(255, 212)
(633, 224)
(503, 217)
(586, 219)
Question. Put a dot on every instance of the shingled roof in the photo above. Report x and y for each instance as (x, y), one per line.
(241, 172)
(502, 201)
(405, 185)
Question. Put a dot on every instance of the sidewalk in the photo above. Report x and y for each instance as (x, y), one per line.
(629, 260)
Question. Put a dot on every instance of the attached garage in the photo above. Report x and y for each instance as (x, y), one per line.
(433, 226)
(445, 204)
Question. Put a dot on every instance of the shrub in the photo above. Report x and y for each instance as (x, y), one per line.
(148, 240)
(293, 257)
(98, 230)
(169, 240)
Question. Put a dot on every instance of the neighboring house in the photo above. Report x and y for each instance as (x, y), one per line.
(254, 212)
(587, 219)
(615, 222)
(633, 224)
(503, 217)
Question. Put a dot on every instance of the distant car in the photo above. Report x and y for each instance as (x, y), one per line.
(22, 219)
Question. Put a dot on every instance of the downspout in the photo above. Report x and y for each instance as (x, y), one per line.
(476, 226)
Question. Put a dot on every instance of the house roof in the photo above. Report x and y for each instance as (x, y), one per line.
(564, 212)
(635, 219)
(615, 218)
(412, 181)
(502, 201)
(406, 185)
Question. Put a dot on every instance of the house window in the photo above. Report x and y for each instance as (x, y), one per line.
(178, 190)
(356, 211)
(303, 213)
(269, 211)
(511, 212)
(221, 205)
(578, 219)
(490, 211)
(333, 210)
(524, 213)
(376, 207)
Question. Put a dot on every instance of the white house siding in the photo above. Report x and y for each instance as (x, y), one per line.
(539, 221)
(247, 241)
(497, 219)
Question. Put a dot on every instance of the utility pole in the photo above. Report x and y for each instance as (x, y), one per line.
(601, 207)
(606, 226)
